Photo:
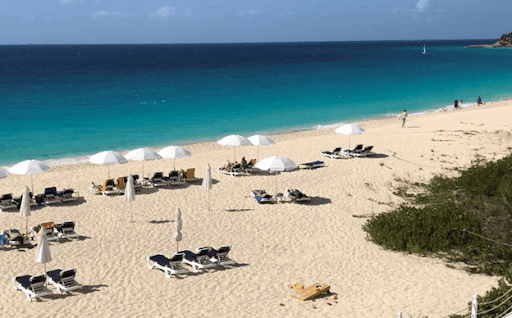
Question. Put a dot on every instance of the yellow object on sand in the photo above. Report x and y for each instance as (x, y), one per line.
(309, 292)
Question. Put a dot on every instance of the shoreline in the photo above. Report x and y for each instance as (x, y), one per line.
(84, 158)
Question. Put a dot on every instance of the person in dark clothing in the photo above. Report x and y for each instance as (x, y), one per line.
(479, 102)
(456, 104)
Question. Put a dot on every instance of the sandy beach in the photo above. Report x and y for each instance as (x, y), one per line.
(275, 245)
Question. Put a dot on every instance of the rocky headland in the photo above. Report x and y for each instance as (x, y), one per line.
(504, 41)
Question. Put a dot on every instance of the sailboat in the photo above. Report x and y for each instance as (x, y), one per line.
(425, 49)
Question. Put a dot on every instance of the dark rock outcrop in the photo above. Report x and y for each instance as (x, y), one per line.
(504, 41)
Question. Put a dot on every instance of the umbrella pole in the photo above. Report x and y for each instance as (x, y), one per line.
(234, 151)
(276, 181)
(174, 163)
(109, 171)
(27, 225)
(208, 192)
(143, 169)
(32, 181)
(45, 269)
(258, 152)
(131, 211)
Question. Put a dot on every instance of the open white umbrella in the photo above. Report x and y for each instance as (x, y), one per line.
(235, 141)
(108, 158)
(177, 226)
(173, 152)
(25, 206)
(275, 163)
(43, 249)
(143, 154)
(29, 167)
(129, 194)
(349, 129)
(3, 173)
(258, 140)
(207, 182)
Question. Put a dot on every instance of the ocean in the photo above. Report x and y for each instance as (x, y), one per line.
(62, 103)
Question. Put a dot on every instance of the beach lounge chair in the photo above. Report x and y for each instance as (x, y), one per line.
(137, 182)
(297, 196)
(234, 170)
(32, 286)
(262, 196)
(6, 202)
(17, 200)
(157, 180)
(50, 196)
(312, 165)
(357, 149)
(191, 175)
(15, 238)
(65, 230)
(108, 187)
(335, 154)
(170, 266)
(199, 259)
(220, 256)
(120, 184)
(66, 195)
(51, 235)
(174, 178)
(63, 280)
(367, 151)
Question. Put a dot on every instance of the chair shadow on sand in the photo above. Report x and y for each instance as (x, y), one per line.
(238, 210)
(160, 221)
(313, 201)
(376, 156)
(78, 201)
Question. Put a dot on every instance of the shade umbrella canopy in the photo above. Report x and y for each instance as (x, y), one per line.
(207, 182)
(177, 225)
(129, 193)
(235, 141)
(3, 173)
(43, 249)
(275, 163)
(25, 205)
(108, 158)
(143, 154)
(258, 140)
(173, 152)
(29, 167)
(349, 129)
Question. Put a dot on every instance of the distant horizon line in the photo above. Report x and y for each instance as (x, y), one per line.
(221, 43)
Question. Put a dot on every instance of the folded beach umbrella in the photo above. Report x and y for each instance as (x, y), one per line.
(25, 206)
(207, 182)
(108, 158)
(258, 140)
(275, 163)
(235, 141)
(349, 129)
(177, 226)
(29, 167)
(174, 152)
(129, 193)
(43, 249)
(143, 154)
(3, 173)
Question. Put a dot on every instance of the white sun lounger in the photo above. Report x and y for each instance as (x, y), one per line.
(198, 260)
(236, 172)
(7, 202)
(312, 165)
(297, 196)
(367, 151)
(170, 266)
(32, 286)
(220, 256)
(63, 280)
(335, 154)
(49, 230)
(66, 230)
(262, 196)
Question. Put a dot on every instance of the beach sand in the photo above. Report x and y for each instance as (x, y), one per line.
(275, 245)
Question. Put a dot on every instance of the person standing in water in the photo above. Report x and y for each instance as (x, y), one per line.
(402, 117)
(479, 102)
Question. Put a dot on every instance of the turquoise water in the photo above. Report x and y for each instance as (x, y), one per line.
(63, 102)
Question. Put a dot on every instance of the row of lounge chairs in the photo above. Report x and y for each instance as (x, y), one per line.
(56, 232)
(50, 196)
(35, 286)
(237, 169)
(204, 258)
(293, 195)
(357, 152)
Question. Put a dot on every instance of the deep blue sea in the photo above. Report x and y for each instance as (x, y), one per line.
(70, 101)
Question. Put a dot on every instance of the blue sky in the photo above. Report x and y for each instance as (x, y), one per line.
(214, 21)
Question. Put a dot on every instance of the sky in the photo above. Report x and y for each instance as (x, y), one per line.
(234, 21)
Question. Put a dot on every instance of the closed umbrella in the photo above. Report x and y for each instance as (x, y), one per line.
(143, 154)
(173, 152)
(25, 206)
(29, 167)
(177, 226)
(108, 158)
(275, 163)
(207, 182)
(349, 129)
(235, 141)
(129, 194)
(3, 173)
(43, 249)
(258, 140)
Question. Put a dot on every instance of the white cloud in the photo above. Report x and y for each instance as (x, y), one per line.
(421, 5)
(115, 14)
(187, 13)
(163, 12)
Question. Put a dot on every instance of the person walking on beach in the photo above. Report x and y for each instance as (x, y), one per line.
(402, 117)
(479, 102)
(456, 104)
